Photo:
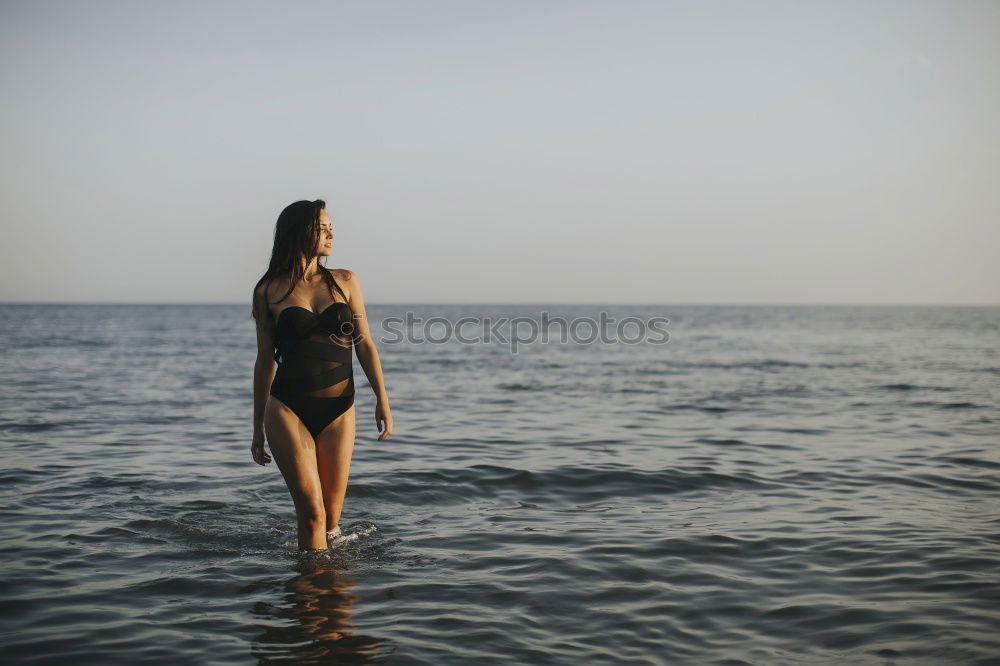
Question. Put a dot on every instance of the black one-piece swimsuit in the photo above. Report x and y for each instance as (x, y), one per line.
(315, 375)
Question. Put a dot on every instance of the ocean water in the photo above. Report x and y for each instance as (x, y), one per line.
(774, 485)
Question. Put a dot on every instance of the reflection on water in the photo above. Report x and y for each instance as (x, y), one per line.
(311, 618)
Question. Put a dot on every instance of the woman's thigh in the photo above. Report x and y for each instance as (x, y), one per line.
(334, 447)
(294, 451)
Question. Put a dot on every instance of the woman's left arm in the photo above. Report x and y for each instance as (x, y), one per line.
(367, 354)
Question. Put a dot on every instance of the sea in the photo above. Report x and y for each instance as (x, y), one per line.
(758, 485)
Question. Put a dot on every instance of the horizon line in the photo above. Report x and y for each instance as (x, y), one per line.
(535, 303)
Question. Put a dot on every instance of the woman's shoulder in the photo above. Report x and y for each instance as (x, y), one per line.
(343, 274)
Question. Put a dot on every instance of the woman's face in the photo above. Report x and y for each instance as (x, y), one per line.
(325, 241)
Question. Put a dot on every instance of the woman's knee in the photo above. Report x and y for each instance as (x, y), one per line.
(311, 512)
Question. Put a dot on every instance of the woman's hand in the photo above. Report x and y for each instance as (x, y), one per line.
(383, 417)
(257, 449)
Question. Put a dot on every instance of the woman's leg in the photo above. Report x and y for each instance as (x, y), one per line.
(294, 451)
(334, 447)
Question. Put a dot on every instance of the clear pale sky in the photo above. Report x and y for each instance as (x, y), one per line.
(532, 152)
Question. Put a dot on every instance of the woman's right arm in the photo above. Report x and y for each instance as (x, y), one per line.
(264, 366)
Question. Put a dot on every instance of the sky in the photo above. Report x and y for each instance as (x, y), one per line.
(505, 151)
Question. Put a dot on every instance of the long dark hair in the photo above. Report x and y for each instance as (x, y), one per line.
(296, 235)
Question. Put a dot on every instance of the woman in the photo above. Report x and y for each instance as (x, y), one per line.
(308, 317)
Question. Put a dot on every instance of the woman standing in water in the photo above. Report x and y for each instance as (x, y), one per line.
(308, 319)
